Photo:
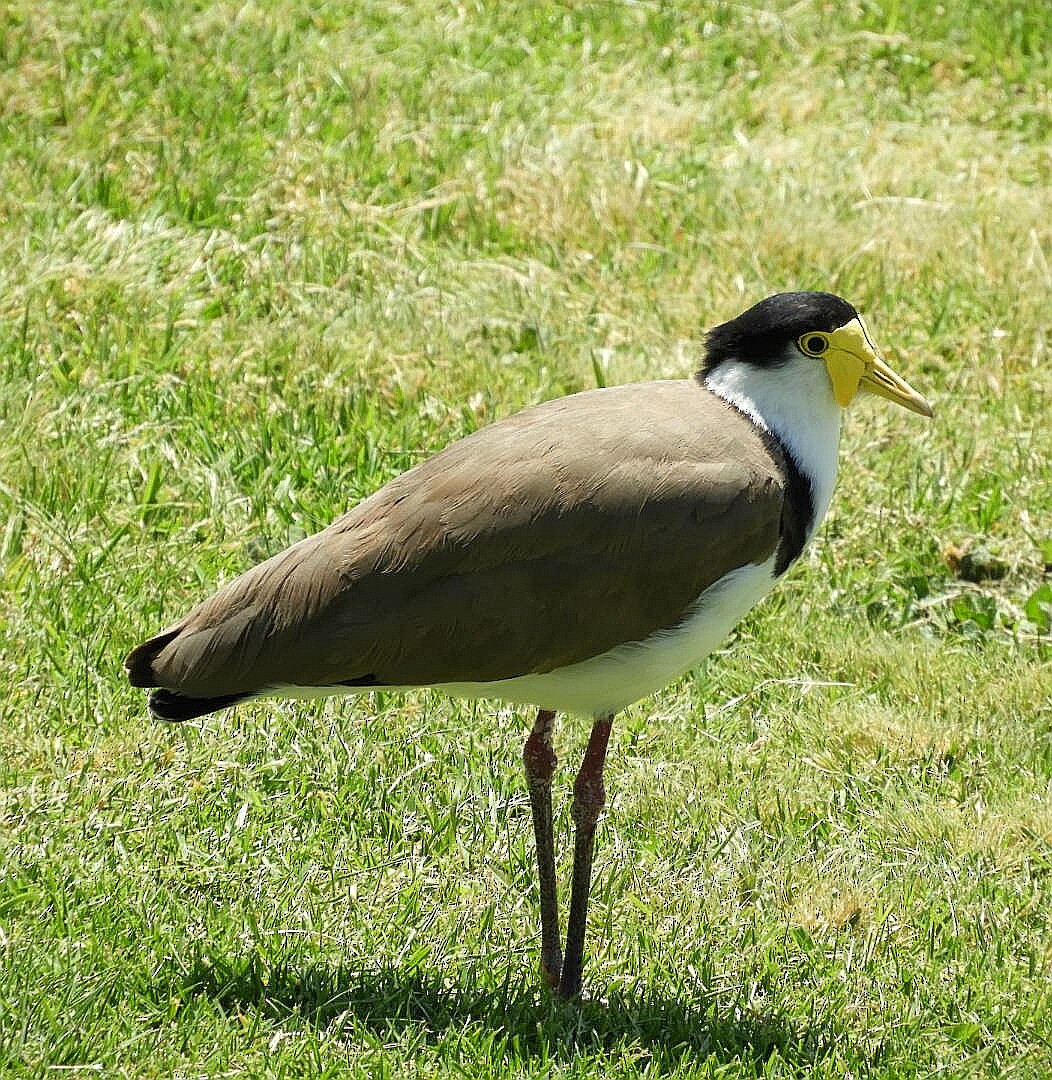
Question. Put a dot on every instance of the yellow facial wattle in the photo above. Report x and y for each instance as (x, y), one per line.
(854, 364)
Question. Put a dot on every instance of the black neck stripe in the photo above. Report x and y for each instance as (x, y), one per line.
(798, 509)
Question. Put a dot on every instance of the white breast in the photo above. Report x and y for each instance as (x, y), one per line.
(795, 402)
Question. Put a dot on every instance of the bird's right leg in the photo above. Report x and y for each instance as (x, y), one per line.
(589, 796)
(538, 755)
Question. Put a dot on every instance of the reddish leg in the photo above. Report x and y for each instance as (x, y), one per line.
(588, 798)
(538, 756)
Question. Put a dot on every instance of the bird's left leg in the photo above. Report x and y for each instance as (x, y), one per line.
(538, 756)
(589, 795)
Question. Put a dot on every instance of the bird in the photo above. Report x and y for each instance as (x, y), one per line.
(574, 557)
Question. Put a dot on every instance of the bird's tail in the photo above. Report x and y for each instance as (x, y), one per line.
(164, 703)
(171, 705)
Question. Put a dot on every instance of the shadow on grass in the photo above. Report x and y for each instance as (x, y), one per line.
(518, 1022)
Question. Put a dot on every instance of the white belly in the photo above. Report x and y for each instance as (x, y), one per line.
(609, 682)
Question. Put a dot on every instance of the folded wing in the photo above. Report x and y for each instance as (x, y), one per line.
(535, 543)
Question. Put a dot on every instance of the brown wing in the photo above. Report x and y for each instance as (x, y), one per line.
(537, 542)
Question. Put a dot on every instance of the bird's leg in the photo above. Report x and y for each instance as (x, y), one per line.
(588, 798)
(538, 755)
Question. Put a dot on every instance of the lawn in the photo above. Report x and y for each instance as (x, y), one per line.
(255, 260)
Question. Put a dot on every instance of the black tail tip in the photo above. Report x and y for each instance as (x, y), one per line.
(168, 705)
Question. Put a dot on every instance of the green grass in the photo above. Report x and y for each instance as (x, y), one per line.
(257, 259)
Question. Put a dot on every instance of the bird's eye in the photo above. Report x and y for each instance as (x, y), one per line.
(813, 344)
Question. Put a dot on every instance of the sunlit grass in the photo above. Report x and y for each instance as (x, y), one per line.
(258, 259)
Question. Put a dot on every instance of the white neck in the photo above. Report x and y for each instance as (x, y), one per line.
(795, 402)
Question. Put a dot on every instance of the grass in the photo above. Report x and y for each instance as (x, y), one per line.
(257, 259)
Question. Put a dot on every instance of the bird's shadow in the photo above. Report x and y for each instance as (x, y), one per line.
(524, 1023)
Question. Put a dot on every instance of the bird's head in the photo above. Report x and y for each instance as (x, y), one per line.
(784, 328)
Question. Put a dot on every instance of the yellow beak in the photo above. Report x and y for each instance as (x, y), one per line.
(854, 364)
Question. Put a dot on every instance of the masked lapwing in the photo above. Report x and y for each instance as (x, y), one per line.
(575, 557)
